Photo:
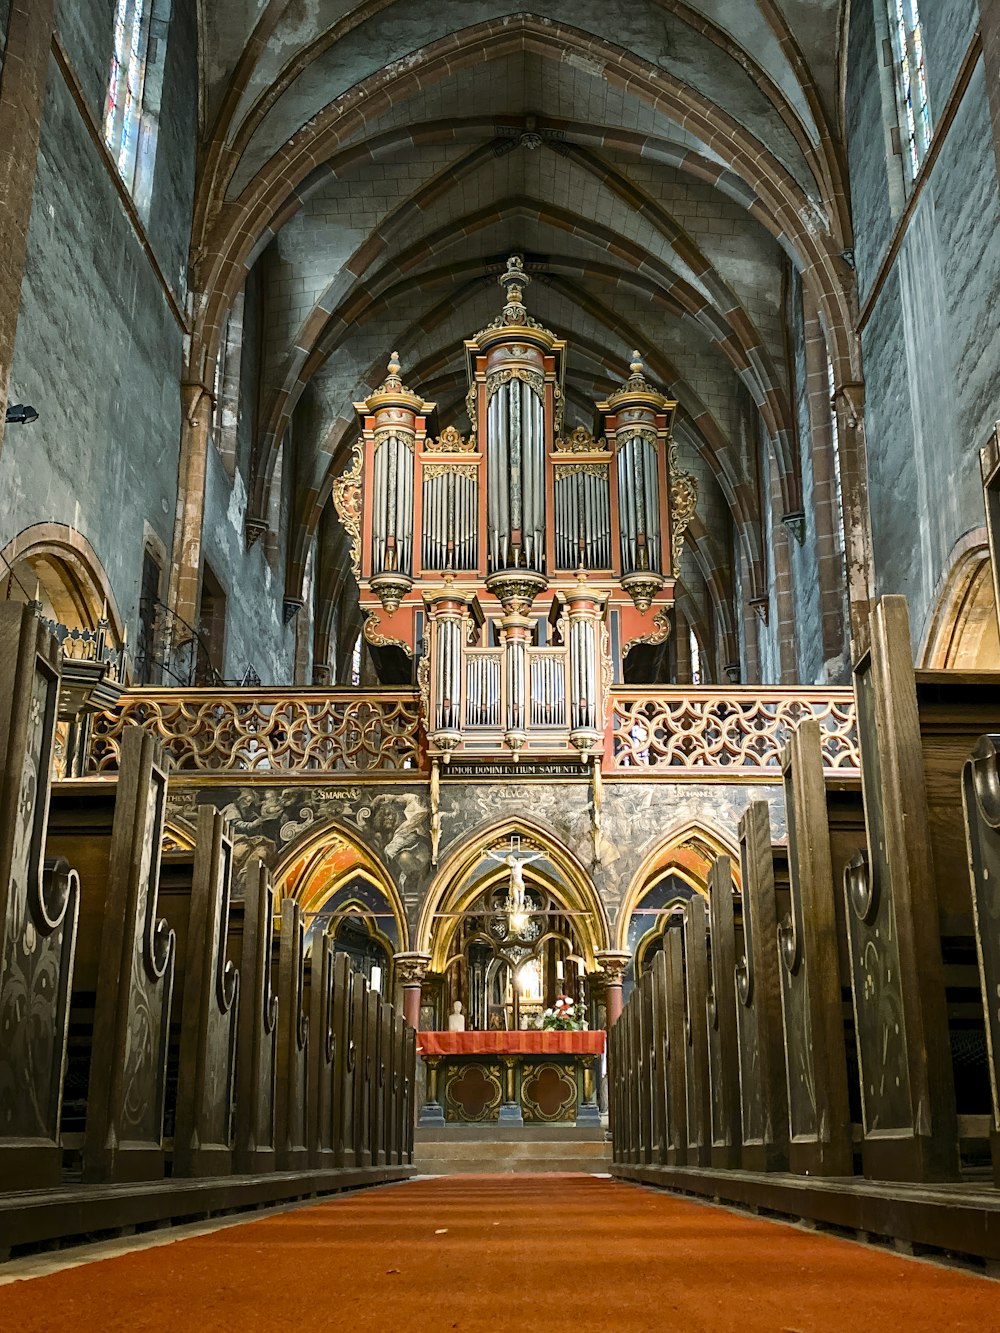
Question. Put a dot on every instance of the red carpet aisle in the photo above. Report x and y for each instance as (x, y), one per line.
(552, 1253)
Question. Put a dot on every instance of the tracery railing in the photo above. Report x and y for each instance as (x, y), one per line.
(675, 731)
(267, 731)
(706, 730)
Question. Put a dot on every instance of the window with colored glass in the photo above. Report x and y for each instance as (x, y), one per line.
(123, 109)
(911, 82)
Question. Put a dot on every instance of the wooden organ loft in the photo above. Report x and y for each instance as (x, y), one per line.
(521, 563)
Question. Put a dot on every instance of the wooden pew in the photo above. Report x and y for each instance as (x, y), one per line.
(660, 1105)
(398, 1137)
(39, 910)
(290, 1138)
(388, 1085)
(615, 1089)
(696, 1077)
(917, 730)
(343, 1064)
(676, 1046)
(723, 1047)
(376, 1079)
(195, 896)
(642, 998)
(410, 1089)
(360, 1065)
(981, 796)
(763, 1090)
(820, 1140)
(633, 1060)
(123, 979)
(324, 1026)
(251, 940)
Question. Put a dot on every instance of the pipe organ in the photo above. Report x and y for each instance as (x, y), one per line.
(519, 563)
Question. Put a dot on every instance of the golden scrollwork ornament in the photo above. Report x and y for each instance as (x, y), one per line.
(347, 502)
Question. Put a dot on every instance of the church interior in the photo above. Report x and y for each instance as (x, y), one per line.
(499, 664)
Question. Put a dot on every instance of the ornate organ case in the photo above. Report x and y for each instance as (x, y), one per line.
(519, 564)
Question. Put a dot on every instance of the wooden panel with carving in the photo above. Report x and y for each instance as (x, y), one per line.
(699, 1129)
(293, 1043)
(763, 1093)
(203, 1133)
(252, 936)
(819, 1119)
(548, 1092)
(723, 1050)
(473, 1091)
(39, 908)
(123, 1139)
(981, 792)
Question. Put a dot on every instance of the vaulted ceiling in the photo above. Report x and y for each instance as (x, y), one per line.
(665, 169)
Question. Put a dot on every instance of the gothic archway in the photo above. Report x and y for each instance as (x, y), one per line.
(463, 877)
(676, 869)
(332, 876)
(963, 631)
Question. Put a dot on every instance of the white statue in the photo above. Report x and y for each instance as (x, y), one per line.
(456, 1019)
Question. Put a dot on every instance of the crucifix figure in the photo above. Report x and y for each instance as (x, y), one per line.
(515, 860)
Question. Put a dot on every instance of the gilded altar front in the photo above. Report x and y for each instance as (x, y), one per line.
(511, 1078)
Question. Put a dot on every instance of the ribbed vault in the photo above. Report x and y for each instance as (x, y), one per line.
(672, 184)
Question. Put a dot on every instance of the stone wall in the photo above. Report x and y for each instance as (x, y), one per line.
(99, 341)
(928, 261)
(392, 822)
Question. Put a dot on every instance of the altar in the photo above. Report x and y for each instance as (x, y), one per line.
(511, 1077)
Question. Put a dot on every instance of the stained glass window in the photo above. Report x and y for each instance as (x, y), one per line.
(125, 83)
(911, 82)
(695, 658)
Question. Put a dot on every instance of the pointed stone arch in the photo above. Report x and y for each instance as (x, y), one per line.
(456, 885)
(687, 850)
(962, 630)
(320, 862)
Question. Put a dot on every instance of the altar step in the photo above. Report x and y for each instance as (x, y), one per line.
(455, 1150)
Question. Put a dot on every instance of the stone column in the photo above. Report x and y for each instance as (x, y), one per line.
(849, 404)
(22, 99)
(184, 584)
(411, 968)
(613, 965)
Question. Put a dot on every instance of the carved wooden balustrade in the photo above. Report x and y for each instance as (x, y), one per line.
(267, 731)
(672, 730)
(699, 730)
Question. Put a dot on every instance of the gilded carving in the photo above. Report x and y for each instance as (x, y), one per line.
(403, 433)
(580, 441)
(471, 407)
(373, 634)
(599, 470)
(451, 441)
(659, 632)
(469, 470)
(347, 502)
(683, 502)
(534, 381)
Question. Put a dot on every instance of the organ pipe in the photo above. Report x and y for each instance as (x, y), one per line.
(507, 516)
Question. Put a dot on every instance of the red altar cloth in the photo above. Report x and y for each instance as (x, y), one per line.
(510, 1043)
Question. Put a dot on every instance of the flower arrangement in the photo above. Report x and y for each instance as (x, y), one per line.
(564, 1016)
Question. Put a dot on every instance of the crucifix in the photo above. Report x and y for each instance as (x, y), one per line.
(515, 859)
